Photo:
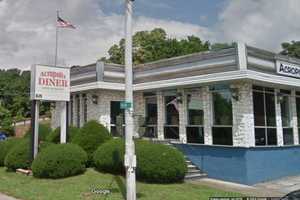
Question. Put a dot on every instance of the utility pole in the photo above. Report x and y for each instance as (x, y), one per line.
(130, 158)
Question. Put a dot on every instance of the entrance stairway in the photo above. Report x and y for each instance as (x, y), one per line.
(193, 172)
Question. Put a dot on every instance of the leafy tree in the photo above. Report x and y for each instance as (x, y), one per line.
(291, 49)
(154, 45)
(5, 120)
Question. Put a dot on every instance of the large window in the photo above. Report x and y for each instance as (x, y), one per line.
(77, 111)
(85, 112)
(117, 119)
(194, 130)
(288, 138)
(151, 117)
(172, 118)
(222, 115)
(264, 116)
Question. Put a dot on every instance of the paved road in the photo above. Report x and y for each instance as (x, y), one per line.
(4, 197)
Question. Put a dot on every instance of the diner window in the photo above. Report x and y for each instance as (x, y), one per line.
(298, 111)
(264, 116)
(222, 116)
(194, 130)
(284, 98)
(77, 111)
(172, 118)
(117, 119)
(151, 117)
(71, 110)
(85, 113)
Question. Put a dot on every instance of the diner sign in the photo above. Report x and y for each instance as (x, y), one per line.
(50, 83)
(288, 69)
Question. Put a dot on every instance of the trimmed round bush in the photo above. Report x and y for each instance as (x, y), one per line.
(54, 136)
(18, 156)
(44, 131)
(6, 146)
(109, 157)
(91, 136)
(59, 161)
(156, 163)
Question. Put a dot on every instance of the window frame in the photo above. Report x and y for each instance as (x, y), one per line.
(154, 126)
(266, 127)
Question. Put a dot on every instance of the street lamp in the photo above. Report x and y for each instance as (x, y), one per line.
(130, 158)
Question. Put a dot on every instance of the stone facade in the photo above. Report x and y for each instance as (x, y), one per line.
(243, 132)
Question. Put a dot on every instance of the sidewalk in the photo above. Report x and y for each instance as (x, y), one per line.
(4, 197)
(246, 190)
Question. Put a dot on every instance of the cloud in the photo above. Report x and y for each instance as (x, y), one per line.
(27, 31)
(262, 23)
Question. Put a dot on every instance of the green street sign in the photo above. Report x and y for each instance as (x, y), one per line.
(125, 105)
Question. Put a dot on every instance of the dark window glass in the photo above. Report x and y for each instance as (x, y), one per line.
(298, 110)
(71, 110)
(259, 109)
(269, 89)
(222, 108)
(285, 91)
(171, 132)
(260, 136)
(116, 132)
(255, 87)
(195, 135)
(172, 114)
(222, 135)
(285, 112)
(78, 110)
(195, 110)
(84, 108)
(271, 136)
(270, 109)
(288, 138)
(151, 110)
(151, 132)
(115, 111)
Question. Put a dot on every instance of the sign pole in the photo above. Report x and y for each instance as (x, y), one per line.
(63, 123)
(34, 129)
(130, 158)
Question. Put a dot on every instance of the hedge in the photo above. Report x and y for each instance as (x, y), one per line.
(54, 136)
(91, 136)
(44, 131)
(18, 156)
(6, 146)
(156, 163)
(59, 161)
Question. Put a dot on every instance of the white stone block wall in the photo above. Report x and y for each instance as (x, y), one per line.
(182, 107)
(278, 120)
(208, 115)
(160, 115)
(294, 117)
(243, 115)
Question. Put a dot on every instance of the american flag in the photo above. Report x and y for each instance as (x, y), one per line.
(64, 24)
(174, 103)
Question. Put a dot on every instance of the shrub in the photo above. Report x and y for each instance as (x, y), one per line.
(6, 146)
(109, 157)
(44, 131)
(18, 156)
(91, 136)
(54, 136)
(159, 163)
(156, 163)
(59, 161)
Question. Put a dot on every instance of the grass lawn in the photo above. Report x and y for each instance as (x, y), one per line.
(80, 187)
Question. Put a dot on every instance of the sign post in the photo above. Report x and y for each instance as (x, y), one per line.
(130, 158)
(49, 83)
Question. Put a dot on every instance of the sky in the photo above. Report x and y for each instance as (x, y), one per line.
(27, 27)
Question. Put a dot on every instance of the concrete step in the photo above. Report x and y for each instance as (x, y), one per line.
(194, 171)
(191, 167)
(195, 176)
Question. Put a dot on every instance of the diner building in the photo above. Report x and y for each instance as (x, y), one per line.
(235, 113)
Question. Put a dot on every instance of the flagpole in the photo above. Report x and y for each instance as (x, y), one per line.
(56, 39)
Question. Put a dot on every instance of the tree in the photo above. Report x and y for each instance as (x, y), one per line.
(154, 45)
(291, 49)
(219, 46)
(5, 120)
